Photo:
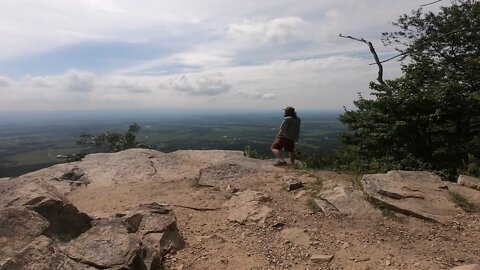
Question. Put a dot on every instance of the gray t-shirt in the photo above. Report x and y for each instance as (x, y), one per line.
(292, 128)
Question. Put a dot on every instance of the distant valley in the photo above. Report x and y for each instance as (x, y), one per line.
(31, 141)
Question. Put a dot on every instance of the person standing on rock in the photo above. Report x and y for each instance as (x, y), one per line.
(287, 136)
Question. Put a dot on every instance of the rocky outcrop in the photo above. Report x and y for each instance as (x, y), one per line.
(41, 229)
(419, 194)
(469, 181)
(269, 227)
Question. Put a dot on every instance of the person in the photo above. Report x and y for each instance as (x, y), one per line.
(287, 136)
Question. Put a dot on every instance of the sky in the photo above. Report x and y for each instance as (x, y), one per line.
(215, 54)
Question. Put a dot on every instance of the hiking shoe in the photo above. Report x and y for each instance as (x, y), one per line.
(280, 163)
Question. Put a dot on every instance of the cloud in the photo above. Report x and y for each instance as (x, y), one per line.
(78, 81)
(134, 87)
(255, 94)
(278, 30)
(200, 86)
(4, 81)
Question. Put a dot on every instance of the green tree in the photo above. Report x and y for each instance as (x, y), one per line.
(113, 141)
(430, 117)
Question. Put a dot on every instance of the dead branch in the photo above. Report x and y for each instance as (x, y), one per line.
(428, 41)
(424, 5)
(375, 56)
(203, 209)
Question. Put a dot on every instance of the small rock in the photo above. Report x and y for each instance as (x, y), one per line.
(300, 194)
(321, 258)
(388, 263)
(293, 184)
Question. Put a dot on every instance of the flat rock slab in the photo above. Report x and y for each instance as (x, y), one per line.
(469, 181)
(211, 176)
(419, 194)
(246, 206)
(321, 258)
(467, 267)
(347, 201)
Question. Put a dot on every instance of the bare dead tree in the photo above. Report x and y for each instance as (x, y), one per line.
(375, 56)
(424, 5)
(429, 41)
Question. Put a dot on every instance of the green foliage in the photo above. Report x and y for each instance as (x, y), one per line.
(430, 117)
(251, 153)
(113, 141)
(472, 166)
(75, 157)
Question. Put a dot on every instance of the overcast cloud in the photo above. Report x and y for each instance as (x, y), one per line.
(111, 54)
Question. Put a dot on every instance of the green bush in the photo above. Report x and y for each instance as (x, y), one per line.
(251, 153)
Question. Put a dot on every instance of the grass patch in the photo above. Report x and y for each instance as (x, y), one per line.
(357, 182)
(313, 189)
(312, 205)
(316, 186)
(195, 182)
(463, 202)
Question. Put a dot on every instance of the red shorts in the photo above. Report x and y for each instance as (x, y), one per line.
(281, 142)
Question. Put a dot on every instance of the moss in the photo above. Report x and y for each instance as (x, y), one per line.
(312, 205)
(463, 202)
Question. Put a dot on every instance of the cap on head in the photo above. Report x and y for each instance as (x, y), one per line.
(289, 109)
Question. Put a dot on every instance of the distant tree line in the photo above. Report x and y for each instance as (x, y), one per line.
(110, 142)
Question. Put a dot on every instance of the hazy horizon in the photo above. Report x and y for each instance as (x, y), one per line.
(40, 117)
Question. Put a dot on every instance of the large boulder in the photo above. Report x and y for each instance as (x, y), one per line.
(19, 227)
(41, 254)
(64, 219)
(420, 194)
(135, 239)
(107, 244)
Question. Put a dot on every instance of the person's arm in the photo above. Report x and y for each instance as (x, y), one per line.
(283, 127)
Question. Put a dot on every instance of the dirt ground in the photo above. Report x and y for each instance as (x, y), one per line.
(388, 241)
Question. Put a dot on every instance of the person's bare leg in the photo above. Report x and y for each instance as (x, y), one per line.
(291, 155)
(276, 153)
